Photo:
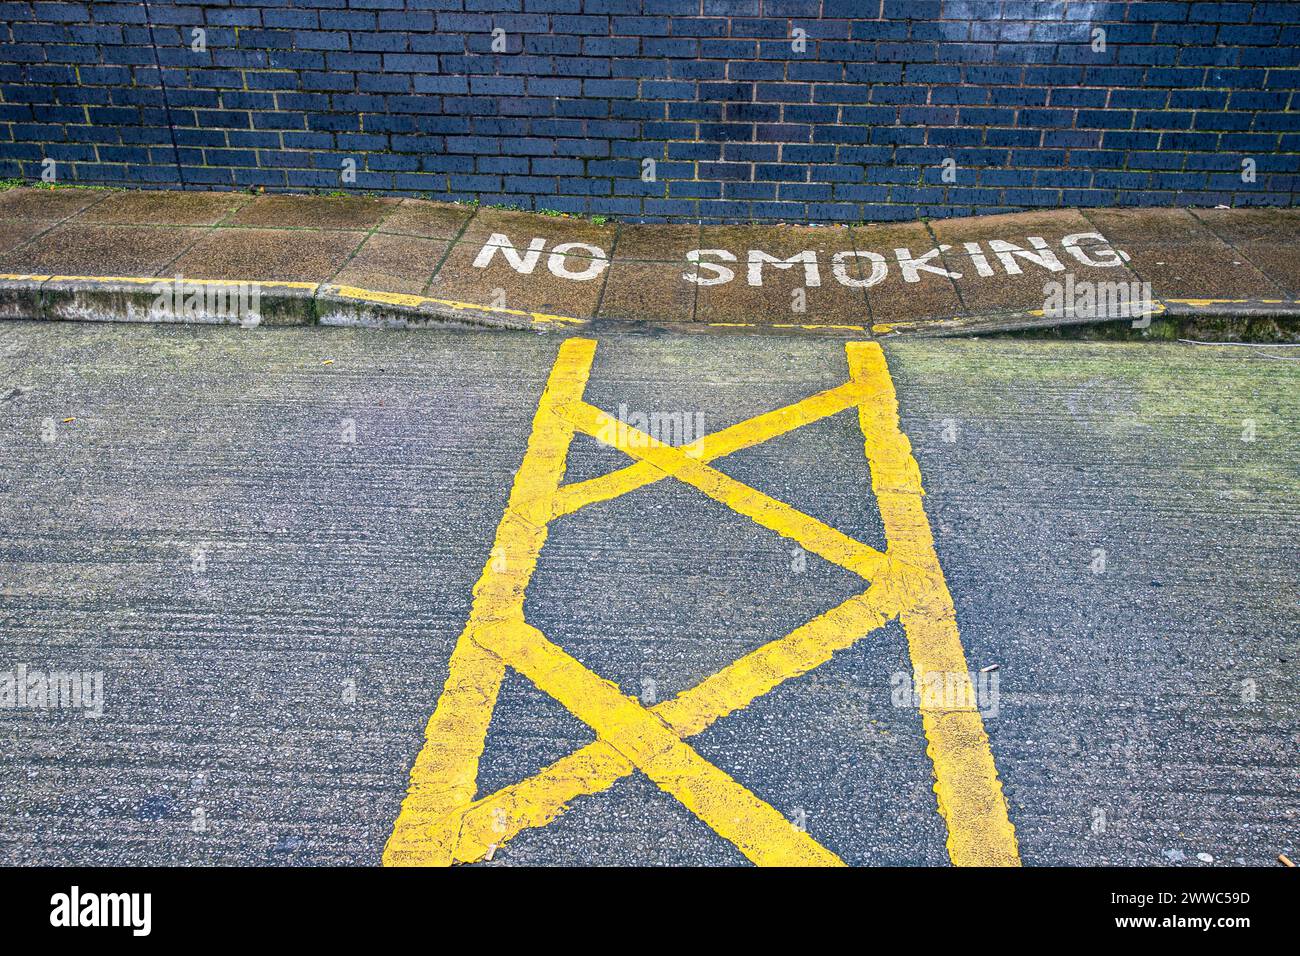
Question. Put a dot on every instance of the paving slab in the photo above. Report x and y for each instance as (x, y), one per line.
(1014, 227)
(101, 250)
(1211, 270)
(1278, 260)
(1142, 226)
(268, 255)
(895, 300)
(1181, 256)
(647, 291)
(160, 207)
(428, 220)
(315, 212)
(995, 278)
(14, 232)
(656, 242)
(47, 204)
(1252, 225)
(393, 264)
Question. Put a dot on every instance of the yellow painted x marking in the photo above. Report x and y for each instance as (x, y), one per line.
(444, 821)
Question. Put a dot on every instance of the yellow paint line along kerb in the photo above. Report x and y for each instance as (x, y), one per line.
(1157, 308)
(413, 301)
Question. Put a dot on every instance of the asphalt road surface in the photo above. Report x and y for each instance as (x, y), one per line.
(261, 546)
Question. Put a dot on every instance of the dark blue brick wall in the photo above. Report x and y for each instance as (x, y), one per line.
(860, 122)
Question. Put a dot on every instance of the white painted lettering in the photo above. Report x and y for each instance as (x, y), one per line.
(912, 266)
(1007, 252)
(840, 266)
(757, 257)
(523, 264)
(594, 262)
(720, 274)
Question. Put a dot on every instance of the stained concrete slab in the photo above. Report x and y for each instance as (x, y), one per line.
(783, 241)
(1142, 226)
(641, 291)
(393, 264)
(782, 299)
(161, 207)
(1005, 291)
(102, 250)
(268, 255)
(1013, 227)
(1177, 252)
(786, 294)
(656, 242)
(48, 204)
(14, 232)
(1252, 225)
(1278, 260)
(931, 298)
(1011, 293)
(1209, 270)
(427, 220)
(1020, 291)
(895, 300)
(315, 212)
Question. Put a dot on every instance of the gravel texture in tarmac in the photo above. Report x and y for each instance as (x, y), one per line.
(265, 541)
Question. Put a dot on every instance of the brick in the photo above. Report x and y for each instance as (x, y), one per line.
(742, 124)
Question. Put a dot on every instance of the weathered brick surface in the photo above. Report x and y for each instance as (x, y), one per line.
(855, 124)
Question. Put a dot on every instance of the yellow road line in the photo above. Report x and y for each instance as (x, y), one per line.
(721, 443)
(966, 780)
(811, 534)
(761, 833)
(444, 775)
(540, 799)
(440, 821)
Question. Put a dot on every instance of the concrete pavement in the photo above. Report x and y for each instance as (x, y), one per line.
(97, 254)
(265, 542)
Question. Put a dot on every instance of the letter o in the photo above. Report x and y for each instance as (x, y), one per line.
(557, 261)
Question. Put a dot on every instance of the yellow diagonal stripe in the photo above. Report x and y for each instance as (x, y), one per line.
(762, 834)
(538, 800)
(821, 539)
(746, 434)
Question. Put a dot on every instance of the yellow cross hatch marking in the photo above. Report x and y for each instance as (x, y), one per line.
(443, 820)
